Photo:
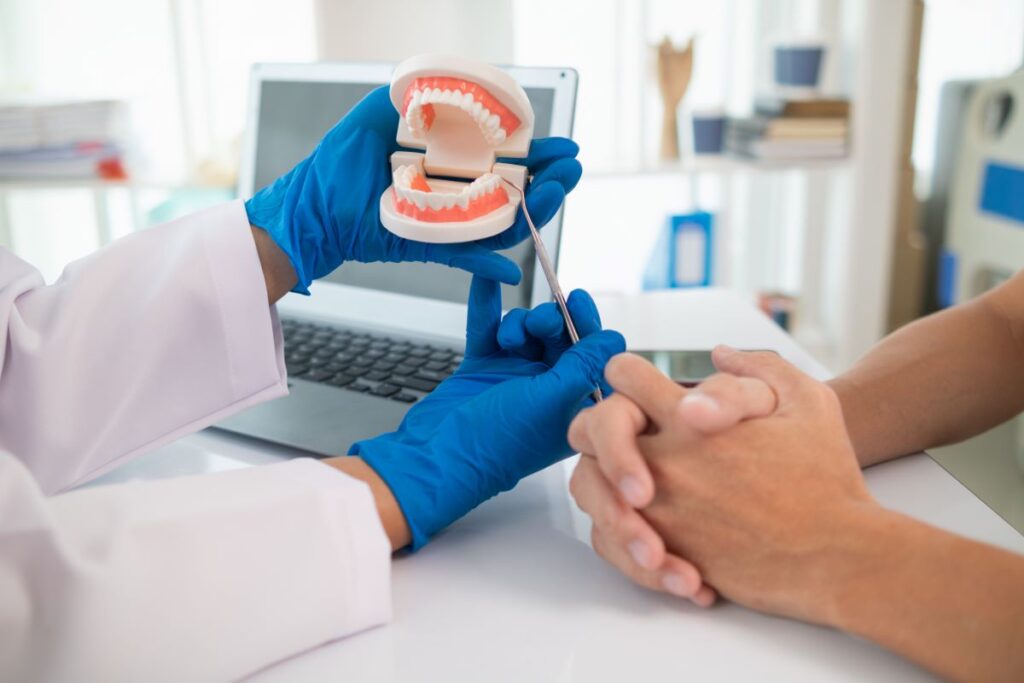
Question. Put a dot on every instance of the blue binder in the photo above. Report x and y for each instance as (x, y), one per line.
(682, 254)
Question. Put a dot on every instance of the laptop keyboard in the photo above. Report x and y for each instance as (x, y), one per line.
(396, 369)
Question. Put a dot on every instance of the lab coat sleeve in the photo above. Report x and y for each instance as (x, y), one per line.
(204, 578)
(153, 337)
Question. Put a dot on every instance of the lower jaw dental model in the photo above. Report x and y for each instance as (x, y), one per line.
(449, 202)
(463, 115)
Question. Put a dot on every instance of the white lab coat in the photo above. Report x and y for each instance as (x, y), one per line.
(192, 578)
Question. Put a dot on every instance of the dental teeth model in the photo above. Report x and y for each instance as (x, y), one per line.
(463, 114)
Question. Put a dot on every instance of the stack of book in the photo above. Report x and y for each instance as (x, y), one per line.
(784, 129)
(61, 140)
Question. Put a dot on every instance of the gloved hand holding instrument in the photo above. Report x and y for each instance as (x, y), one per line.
(503, 415)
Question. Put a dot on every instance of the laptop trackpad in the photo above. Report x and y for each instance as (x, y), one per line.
(322, 419)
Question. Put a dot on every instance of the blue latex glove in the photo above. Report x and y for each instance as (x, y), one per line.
(325, 210)
(501, 416)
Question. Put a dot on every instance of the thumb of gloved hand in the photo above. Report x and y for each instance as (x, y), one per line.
(581, 369)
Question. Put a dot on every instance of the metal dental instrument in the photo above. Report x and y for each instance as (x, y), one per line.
(549, 274)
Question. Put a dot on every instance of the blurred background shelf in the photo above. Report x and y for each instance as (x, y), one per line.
(723, 165)
(92, 184)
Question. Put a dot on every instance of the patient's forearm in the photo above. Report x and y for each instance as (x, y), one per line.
(939, 380)
(953, 605)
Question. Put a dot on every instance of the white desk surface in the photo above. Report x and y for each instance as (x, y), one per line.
(512, 592)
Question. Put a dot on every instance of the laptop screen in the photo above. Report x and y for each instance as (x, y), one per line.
(294, 115)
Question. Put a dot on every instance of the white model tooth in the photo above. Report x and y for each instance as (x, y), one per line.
(493, 121)
(435, 200)
(449, 200)
(474, 189)
(500, 135)
(463, 199)
(475, 112)
(467, 101)
(418, 198)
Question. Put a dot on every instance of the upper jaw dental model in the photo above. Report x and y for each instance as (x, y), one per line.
(463, 114)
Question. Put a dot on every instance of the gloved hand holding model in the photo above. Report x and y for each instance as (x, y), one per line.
(502, 416)
(326, 210)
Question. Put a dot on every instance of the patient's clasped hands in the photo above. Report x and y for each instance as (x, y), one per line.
(747, 483)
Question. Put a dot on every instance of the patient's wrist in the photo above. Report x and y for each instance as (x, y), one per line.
(391, 517)
(867, 543)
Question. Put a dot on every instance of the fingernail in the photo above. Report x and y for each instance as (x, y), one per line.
(725, 350)
(641, 553)
(704, 597)
(632, 490)
(675, 584)
(695, 398)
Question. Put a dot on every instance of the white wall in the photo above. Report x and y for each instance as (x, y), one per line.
(963, 39)
(391, 30)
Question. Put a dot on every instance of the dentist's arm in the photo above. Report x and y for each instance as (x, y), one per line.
(278, 273)
(153, 337)
(939, 380)
(209, 577)
(189, 578)
(391, 518)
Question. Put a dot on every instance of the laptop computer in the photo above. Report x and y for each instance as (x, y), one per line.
(372, 339)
